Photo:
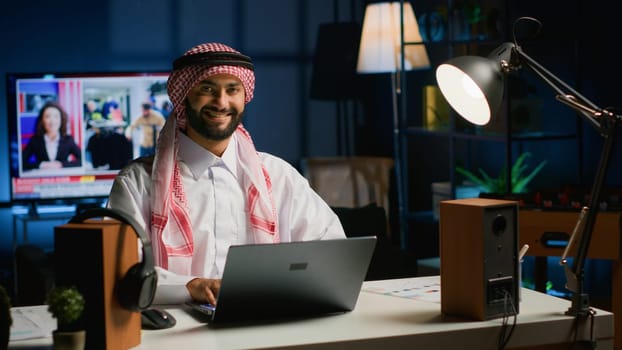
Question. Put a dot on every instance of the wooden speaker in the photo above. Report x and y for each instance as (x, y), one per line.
(479, 258)
(93, 256)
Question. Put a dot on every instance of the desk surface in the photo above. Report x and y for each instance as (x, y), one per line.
(380, 321)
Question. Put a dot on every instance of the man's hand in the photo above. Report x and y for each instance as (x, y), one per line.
(204, 290)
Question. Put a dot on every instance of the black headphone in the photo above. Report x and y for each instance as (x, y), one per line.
(136, 290)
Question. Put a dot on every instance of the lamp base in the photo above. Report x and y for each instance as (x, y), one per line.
(580, 305)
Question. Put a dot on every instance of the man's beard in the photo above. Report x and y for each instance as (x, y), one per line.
(209, 132)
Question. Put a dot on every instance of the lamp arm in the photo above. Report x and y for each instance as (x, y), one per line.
(605, 121)
(580, 300)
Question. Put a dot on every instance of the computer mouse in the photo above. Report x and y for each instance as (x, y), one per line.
(154, 318)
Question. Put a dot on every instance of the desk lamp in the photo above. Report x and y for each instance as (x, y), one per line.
(386, 26)
(473, 86)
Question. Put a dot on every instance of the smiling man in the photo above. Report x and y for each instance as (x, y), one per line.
(207, 187)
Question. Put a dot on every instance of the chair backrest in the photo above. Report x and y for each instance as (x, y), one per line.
(350, 182)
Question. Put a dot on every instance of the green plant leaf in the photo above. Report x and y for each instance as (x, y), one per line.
(65, 304)
(519, 167)
(472, 177)
(521, 185)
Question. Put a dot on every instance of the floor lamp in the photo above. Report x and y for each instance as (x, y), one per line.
(381, 50)
(334, 75)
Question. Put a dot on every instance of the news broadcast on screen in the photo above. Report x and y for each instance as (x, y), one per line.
(70, 134)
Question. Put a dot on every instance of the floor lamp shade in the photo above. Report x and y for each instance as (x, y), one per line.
(380, 48)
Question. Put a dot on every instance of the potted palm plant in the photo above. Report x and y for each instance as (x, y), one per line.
(497, 185)
(5, 318)
(66, 304)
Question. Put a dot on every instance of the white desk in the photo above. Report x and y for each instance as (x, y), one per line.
(381, 322)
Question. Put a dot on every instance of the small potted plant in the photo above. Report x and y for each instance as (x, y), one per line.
(5, 318)
(66, 304)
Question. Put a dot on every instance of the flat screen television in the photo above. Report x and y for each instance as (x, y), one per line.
(98, 109)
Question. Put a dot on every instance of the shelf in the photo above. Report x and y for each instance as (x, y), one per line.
(524, 136)
(454, 42)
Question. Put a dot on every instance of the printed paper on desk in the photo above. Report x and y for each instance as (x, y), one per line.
(30, 322)
(424, 289)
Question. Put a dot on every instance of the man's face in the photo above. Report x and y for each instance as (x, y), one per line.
(214, 106)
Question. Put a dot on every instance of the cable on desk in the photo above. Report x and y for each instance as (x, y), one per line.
(505, 335)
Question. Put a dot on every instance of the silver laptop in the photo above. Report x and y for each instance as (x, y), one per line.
(290, 280)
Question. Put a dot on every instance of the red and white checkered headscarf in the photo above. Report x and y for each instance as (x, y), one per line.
(171, 229)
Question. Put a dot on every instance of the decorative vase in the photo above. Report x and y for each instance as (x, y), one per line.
(73, 340)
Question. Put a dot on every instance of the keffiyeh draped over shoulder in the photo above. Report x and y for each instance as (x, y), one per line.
(171, 229)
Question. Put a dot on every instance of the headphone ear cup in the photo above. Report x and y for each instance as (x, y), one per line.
(136, 290)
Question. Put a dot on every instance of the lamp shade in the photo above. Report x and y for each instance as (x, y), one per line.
(380, 47)
(474, 85)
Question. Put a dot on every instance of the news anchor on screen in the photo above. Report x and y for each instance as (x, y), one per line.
(51, 147)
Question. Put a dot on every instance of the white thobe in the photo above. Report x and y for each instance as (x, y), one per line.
(218, 210)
